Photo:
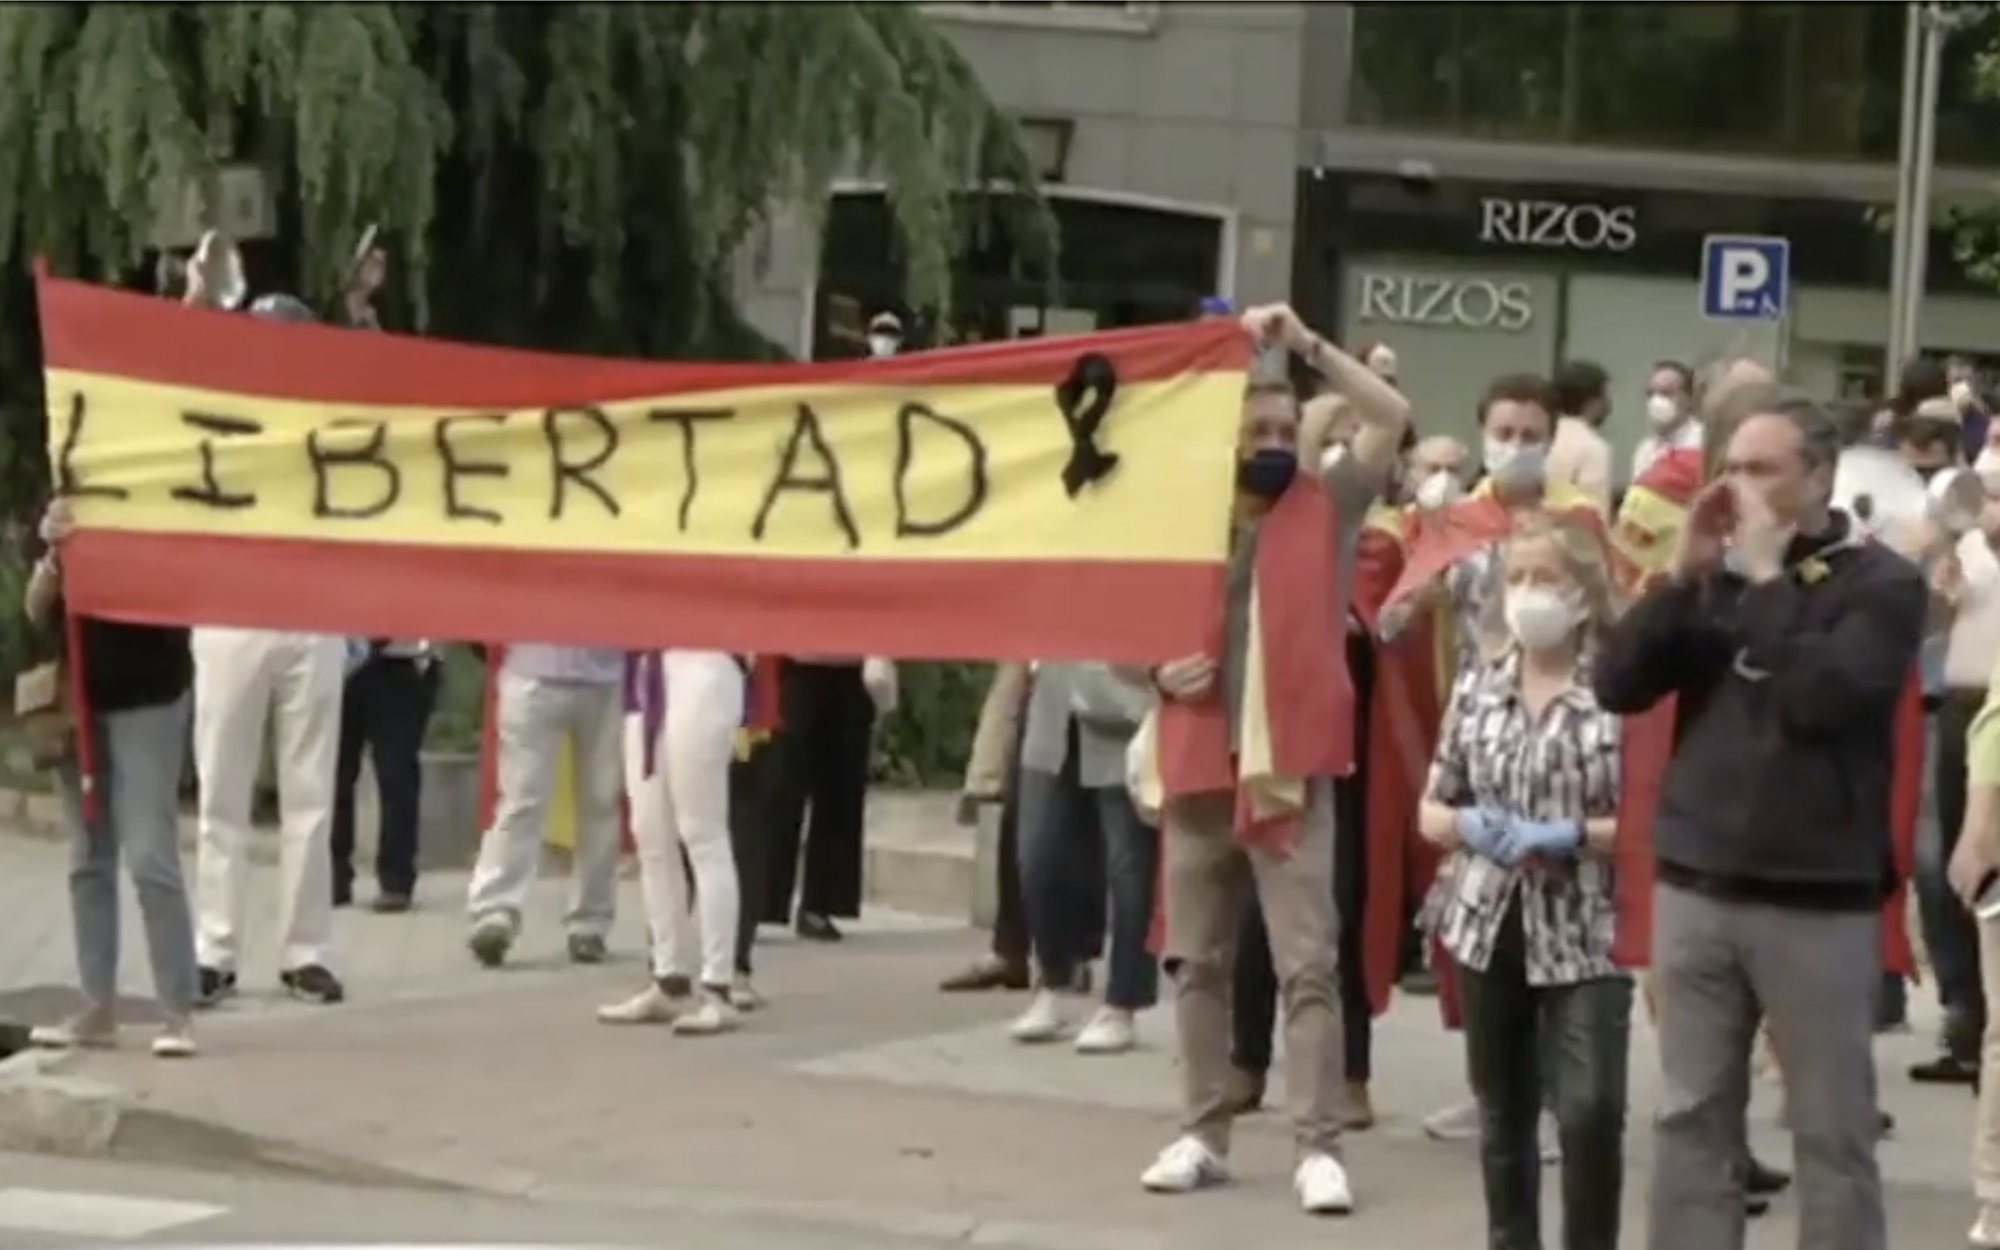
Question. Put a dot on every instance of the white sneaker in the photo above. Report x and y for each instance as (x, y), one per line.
(1042, 1021)
(744, 996)
(1321, 1184)
(1985, 1233)
(1109, 1032)
(175, 1041)
(93, 1028)
(713, 1015)
(1184, 1167)
(1455, 1123)
(651, 1005)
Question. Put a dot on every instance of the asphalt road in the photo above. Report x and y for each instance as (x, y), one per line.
(47, 1202)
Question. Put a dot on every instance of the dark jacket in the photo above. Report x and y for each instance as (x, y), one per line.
(134, 666)
(1778, 789)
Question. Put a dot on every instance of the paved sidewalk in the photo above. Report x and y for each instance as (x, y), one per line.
(862, 1100)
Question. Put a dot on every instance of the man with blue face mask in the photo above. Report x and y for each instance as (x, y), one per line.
(1245, 764)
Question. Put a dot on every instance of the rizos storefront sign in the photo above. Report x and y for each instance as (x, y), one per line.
(1558, 224)
(1446, 301)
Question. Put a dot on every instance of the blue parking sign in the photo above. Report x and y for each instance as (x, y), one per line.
(1745, 277)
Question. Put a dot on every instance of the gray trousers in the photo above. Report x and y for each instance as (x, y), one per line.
(1718, 968)
(139, 757)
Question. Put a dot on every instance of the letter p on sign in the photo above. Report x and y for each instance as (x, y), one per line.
(1744, 278)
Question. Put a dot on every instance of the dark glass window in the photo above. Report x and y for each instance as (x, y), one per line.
(1124, 265)
(1806, 79)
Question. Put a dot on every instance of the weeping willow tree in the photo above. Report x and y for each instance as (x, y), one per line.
(569, 176)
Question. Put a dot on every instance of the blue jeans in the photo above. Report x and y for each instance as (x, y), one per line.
(1074, 843)
(139, 758)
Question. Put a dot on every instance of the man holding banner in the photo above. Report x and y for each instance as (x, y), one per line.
(1252, 732)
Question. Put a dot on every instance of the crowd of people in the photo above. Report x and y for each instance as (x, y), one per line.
(1550, 739)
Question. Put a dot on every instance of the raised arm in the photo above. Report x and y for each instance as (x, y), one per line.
(1380, 409)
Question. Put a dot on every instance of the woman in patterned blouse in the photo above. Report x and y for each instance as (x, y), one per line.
(1523, 793)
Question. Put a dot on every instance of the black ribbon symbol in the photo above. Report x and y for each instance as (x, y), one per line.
(1085, 399)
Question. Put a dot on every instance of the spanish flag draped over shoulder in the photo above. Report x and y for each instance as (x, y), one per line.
(1441, 539)
(1646, 536)
(1403, 713)
(1298, 703)
(1297, 719)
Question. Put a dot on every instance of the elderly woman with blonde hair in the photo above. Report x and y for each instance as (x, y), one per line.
(1523, 797)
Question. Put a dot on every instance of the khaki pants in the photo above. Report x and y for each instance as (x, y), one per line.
(1986, 1130)
(1207, 874)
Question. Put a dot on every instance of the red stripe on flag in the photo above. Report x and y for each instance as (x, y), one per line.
(97, 330)
(1137, 612)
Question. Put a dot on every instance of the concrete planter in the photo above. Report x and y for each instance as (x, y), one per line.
(448, 824)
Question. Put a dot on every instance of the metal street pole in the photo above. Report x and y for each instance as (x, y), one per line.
(1906, 154)
(1920, 186)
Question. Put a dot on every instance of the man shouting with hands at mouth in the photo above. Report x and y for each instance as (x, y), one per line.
(1788, 639)
(1251, 735)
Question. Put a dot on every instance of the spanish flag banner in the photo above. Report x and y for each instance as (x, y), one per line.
(1051, 498)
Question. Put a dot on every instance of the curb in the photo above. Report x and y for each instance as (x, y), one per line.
(918, 876)
(45, 1110)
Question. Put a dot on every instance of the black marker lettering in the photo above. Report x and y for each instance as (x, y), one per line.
(805, 427)
(365, 455)
(578, 471)
(67, 482)
(1085, 400)
(210, 492)
(456, 468)
(686, 418)
(975, 487)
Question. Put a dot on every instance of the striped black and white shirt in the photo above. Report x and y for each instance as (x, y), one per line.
(1561, 765)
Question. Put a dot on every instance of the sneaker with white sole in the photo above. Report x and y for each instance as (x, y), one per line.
(1985, 1231)
(1322, 1186)
(1043, 1021)
(93, 1028)
(491, 938)
(1184, 1167)
(652, 1005)
(1110, 1032)
(174, 1041)
(743, 994)
(1459, 1122)
(713, 1014)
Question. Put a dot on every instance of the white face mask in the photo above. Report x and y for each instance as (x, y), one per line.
(883, 344)
(1540, 617)
(1961, 393)
(1987, 466)
(1516, 464)
(1662, 411)
(1440, 490)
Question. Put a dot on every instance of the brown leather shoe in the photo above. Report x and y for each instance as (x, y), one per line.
(1357, 1110)
(989, 973)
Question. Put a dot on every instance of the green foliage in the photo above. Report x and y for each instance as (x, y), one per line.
(461, 703)
(928, 738)
(581, 177)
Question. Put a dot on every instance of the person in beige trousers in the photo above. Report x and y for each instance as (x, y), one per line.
(1209, 860)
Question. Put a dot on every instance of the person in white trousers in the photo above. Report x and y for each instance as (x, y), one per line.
(241, 677)
(682, 711)
(549, 695)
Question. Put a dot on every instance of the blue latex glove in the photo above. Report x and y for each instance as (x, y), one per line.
(1481, 829)
(1522, 837)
